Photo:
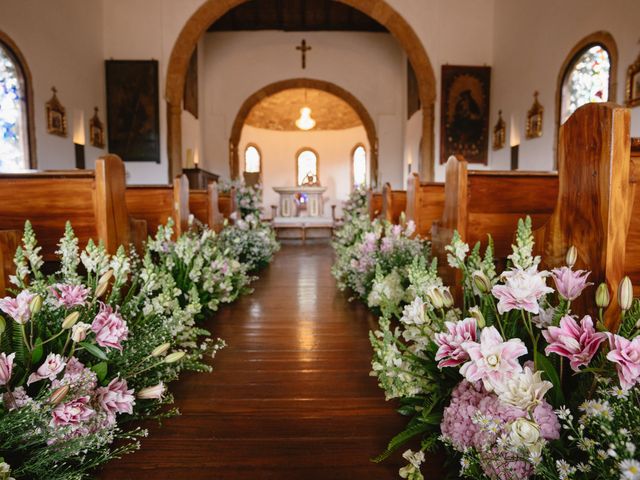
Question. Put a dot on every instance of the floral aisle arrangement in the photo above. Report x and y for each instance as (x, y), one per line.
(515, 384)
(249, 239)
(89, 349)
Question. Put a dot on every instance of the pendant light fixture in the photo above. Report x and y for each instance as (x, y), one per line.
(305, 122)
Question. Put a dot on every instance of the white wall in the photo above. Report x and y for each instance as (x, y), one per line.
(279, 151)
(62, 43)
(371, 66)
(532, 40)
(412, 139)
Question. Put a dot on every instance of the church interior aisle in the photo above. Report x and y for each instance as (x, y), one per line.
(290, 397)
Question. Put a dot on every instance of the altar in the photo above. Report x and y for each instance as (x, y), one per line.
(300, 213)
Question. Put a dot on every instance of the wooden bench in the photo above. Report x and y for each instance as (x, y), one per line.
(227, 203)
(480, 203)
(203, 205)
(425, 204)
(394, 203)
(155, 204)
(374, 201)
(598, 210)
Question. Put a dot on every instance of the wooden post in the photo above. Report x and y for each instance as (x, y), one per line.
(112, 219)
(181, 204)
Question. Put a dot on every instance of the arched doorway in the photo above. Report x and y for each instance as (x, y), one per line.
(379, 10)
(273, 88)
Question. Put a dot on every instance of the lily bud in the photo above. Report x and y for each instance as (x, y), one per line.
(447, 297)
(154, 392)
(571, 257)
(435, 297)
(105, 277)
(161, 350)
(625, 293)
(101, 289)
(35, 305)
(79, 331)
(477, 314)
(403, 220)
(70, 320)
(58, 395)
(174, 357)
(602, 296)
(3, 325)
(481, 282)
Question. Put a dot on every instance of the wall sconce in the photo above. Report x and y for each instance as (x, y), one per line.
(514, 142)
(79, 138)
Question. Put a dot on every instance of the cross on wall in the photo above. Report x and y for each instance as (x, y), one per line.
(303, 48)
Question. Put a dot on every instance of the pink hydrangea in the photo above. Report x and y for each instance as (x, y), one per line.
(450, 351)
(6, 367)
(492, 360)
(110, 328)
(469, 399)
(521, 290)
(625, 354)
(116, 397)
(579, 343)
(16, 399)
(18, 308)
(69, 296)
(77, 375)
(570, 284)
(52, 366)
(74, 412)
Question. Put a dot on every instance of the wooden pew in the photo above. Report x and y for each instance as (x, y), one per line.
(9, 241)
(374, 200)
(598, 206)
(93, 201)
(227, 203)
(157, 203)
(394, 203)
(483, 202)
(203, 205)
(425, 204)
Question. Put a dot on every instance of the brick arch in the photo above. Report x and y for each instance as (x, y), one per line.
(310, 83)
(378, 10)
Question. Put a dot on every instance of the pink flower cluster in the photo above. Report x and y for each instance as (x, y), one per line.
(458, 427)
(52, 366)
(74, 413)
(69, 296)
(110, 328)
(18, 308)
(577, 342)
(625, 354)
(115, 398)
(6, 367)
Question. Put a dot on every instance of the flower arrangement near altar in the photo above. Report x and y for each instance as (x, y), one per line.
(513, 382)
(91, 348)
(249, 239)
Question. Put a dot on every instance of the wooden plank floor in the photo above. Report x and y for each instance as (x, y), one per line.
(289, 398)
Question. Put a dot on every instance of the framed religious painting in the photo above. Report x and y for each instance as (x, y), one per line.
(96, 130)
(190, 97)
(499, 133)
(535, 115)
(133, 118)
(56, 115)
(632, 93)
(464, 114)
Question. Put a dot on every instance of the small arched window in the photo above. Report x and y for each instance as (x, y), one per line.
(252, 159)
(14, 131)
(586, 79)
(307, 166)
(359, 166)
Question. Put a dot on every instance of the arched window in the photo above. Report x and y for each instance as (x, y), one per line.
(14, 107)
(252, 159)
(359, 166)
(586, 80)
(307, 166)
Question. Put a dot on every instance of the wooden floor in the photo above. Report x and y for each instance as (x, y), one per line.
(289, 398)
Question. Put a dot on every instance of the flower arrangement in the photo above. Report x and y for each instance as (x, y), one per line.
(90, 348)
(249, 239)
(513, 383)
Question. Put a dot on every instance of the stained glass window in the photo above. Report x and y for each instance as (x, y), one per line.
(13, 119)
(252, 159)
(307, 167)
(359, 166)
(586, 80)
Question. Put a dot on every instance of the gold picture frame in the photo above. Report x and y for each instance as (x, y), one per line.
(632, 93)
(56, 115)
(499, 133)
(96, 130)
(535, 116)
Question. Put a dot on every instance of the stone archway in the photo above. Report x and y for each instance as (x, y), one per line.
(378, 10)
(310, 83)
